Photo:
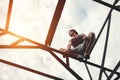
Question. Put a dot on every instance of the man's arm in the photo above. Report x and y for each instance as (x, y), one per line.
(68, 47)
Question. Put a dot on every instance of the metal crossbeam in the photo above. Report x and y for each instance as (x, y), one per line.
(88, 71)
(29, 69)
(57, 51)
(66, 66)
(109, 14)
(115, 69)
(16, 42)
(52, 51)
(9, 15)
(105, 48)
(46, 48)
(108, 5)
(67, 61)
(54, 22)
(106, 41)
(105, 73)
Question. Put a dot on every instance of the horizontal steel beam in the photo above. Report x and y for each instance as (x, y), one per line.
(59, 52)
(29, 69)
(115, 69)
(108, 5)
(46, 48)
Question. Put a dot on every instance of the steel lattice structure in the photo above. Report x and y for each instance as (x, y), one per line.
(53, 52)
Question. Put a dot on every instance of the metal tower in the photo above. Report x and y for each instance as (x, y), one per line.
(53, 52)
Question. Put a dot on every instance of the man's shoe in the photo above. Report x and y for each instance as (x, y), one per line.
(79, 57)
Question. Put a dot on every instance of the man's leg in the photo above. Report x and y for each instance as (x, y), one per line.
(78, 51)
(71, 53)
(90, 42)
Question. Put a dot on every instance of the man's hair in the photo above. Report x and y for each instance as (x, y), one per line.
(73, 31)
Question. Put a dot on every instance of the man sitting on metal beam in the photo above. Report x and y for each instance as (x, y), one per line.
(81, 44)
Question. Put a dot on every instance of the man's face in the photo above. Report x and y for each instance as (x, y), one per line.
(71, 33)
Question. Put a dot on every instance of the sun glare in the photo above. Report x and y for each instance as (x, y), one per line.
(19, 30)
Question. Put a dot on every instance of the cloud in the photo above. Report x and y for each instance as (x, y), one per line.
(34, 18)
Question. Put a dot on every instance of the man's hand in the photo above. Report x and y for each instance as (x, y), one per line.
(63, 50)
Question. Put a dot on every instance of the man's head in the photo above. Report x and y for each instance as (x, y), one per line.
(73, 33)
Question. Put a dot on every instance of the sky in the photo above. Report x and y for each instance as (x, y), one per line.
(32, 18)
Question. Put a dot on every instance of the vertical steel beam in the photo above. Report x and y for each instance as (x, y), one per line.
(106, 41)
(101, 30)
(105, 49)
(88, 71)
(67, 61)
(8, 15)
(54, 22)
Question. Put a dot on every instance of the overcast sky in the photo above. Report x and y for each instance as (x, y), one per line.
(32, 18)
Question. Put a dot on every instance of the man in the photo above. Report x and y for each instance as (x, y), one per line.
(80, 43)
